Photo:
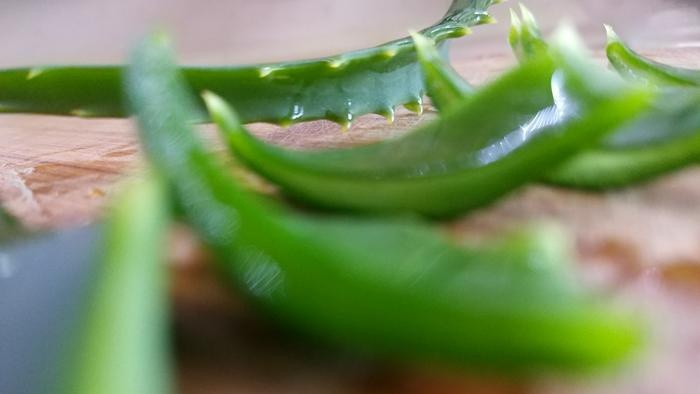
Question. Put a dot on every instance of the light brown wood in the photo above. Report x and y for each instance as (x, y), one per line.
(641, 245)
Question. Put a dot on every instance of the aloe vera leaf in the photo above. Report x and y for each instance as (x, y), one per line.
(443, 84)
(446, 87)
(390, 287)
(634, 66)
(450, 88)
(121, 344)
(525, 37)
(338, 88)
(84, 310)
(663, 139)
(507, 134)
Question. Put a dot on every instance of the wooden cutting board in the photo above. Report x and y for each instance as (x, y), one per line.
(641, 246)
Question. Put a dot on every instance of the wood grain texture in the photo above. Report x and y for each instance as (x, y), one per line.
(641, 246)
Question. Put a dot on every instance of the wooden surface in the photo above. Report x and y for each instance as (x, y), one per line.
(640, 246)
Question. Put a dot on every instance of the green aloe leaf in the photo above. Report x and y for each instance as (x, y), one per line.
(492, 142)
(337, 88)
(525, 37)
(443, 84)
(121, 344)
(392, 287)
(663, 139)
(636, 67)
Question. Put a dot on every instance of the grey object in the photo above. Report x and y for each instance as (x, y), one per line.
(43, 282)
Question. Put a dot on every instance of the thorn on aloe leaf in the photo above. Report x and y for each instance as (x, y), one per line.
(389, 114)
(515, 22)
(343, 120)
(415, 106)
(389, 53)
(424, 46)
(265, 72)
(285, 123)
(462, 31)
(487, 20)
(337, 64)
(35, 72)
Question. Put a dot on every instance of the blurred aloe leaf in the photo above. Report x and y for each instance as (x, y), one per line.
(638, 68)
(121, 345)
(84, 310)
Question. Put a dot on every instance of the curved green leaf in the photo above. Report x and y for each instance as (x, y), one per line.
(392, 287)
(665, 138)
(338, 88)
(505, 135)
(525, 37)
(443, 84)
(122, 344)
(636, 67)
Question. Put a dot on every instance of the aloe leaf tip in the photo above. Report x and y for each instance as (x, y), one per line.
(611, 34)
(528, 16)
(515, 22)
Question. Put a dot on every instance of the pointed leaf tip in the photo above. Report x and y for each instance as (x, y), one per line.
(611, 34)
(528, 17)
(516, 23)
(219, 109)
(265, 72)
(488, 19)
(337, 64)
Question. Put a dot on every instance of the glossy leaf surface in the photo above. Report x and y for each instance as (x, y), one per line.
(337, 88)
(443, 84)
(664, 138)
(84, 310)
(509, 133)
(636, 67)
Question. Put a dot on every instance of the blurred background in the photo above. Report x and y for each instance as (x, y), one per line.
(224, 352)
(241, 31)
